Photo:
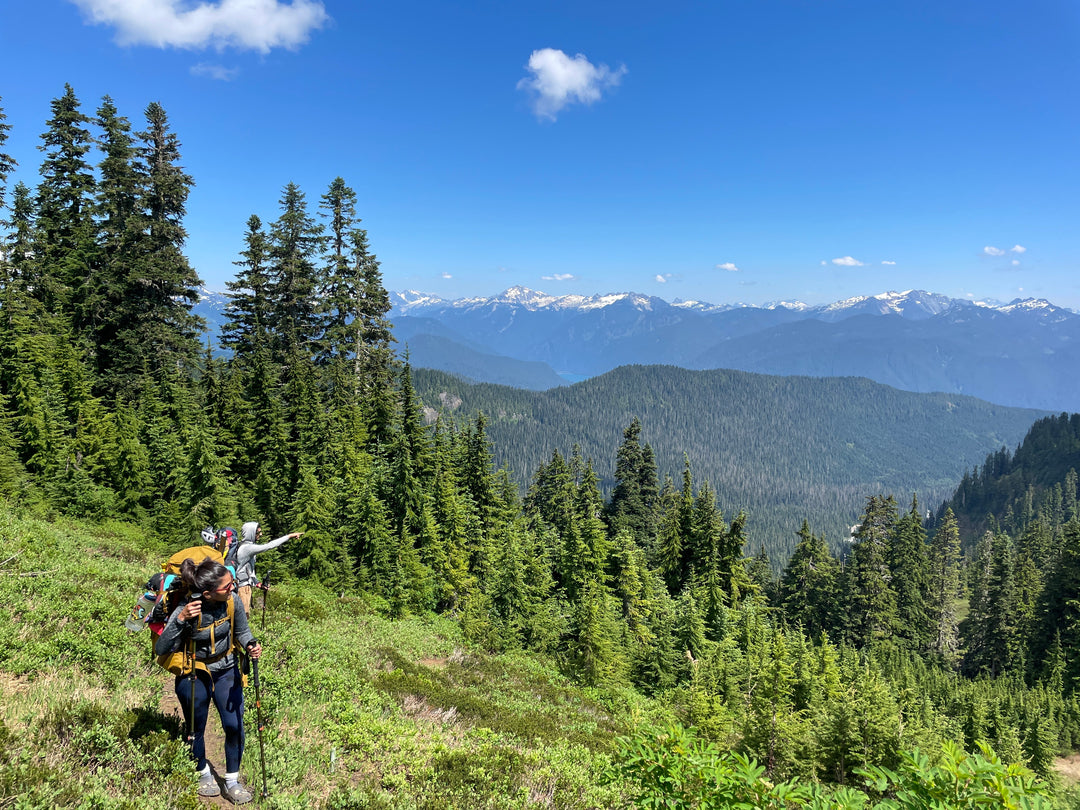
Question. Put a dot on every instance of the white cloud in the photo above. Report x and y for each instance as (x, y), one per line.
(847, 261)
(824, 263)
(559, 277)
(662, 279)
(445, 275)
(990, 250)
(729, 266)
(1018, 249)
(219, 72)
(256, 25)
(886, 261)
(557, 80)
(1016, 262)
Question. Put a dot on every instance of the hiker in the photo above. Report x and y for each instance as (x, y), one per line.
(245, 558)
(211, 616)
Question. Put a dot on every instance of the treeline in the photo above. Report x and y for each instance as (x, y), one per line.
(312, 423)
(1032, 489)
(781, 448)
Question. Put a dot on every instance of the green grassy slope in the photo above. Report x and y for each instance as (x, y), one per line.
(360, 711)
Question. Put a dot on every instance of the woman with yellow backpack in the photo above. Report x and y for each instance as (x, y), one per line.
(199, 644)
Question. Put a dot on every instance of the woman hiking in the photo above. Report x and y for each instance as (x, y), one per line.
(245, 558)
(218, 628)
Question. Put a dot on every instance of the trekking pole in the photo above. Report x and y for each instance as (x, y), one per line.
(193, 680)
(191, 688)
(266, 593)
(258, 717)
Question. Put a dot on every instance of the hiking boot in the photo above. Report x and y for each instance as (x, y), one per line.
(208, 785)
(239, 794)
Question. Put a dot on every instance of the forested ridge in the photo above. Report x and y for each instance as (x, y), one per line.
(783, 449)
(113, 410)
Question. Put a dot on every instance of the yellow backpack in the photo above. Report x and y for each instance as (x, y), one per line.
(179, 662)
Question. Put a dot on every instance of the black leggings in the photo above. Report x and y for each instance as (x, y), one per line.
(228, 696)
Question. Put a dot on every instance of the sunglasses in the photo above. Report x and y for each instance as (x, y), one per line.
(231, 586)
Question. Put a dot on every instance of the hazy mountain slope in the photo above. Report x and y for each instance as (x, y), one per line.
(1013, 359)
(431, 351)
(784, 448)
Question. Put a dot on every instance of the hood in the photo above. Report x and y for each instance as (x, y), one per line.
(247, 531)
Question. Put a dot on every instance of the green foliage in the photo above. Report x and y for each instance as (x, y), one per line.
(670, 768)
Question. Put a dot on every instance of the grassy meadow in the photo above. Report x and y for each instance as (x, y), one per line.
(360, 711)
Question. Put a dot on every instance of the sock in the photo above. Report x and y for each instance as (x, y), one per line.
(231, 779)
(206, 770)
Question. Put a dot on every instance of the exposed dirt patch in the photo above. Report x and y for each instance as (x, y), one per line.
(1068, 768)
(433, 663)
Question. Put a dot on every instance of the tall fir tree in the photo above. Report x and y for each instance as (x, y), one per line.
(296, 243)
(64, 246)
(871, 598)
(248, 312)
(945, 587)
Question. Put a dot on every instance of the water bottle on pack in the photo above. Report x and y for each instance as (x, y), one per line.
(137, 620)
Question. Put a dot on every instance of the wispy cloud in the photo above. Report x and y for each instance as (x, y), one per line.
(1015, 262)
(886, 261)
(255, 25)
(990, 250)
(445, 275)
(219, 72)
(662, 278)
(1018, 249)
(847, 261)
(729, 266)
(558, 80)
(559, 277)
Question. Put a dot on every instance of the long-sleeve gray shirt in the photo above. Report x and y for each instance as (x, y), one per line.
(177, 633)
(245, 559)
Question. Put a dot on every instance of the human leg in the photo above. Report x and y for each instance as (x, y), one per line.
(229, 701)
(202, 709)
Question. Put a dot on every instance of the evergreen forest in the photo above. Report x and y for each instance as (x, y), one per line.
(825, 668)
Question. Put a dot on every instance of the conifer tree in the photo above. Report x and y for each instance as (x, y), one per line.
(807, 590)
(64, 247)
(627, 508)
(669, 540)
(101, 295)
(7, 162)
(908, 566)
(153, 298)
(944, 586)
(296, 242)
(872, 601)
(248, 311)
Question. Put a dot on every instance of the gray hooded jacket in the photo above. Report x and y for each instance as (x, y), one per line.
(248, 548)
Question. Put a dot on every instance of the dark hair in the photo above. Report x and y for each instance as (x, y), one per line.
(203, 576)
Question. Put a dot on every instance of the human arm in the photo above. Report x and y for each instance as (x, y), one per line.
(177, 629)
(247, 551)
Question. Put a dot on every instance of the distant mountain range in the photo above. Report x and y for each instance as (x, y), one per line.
(1024, 353)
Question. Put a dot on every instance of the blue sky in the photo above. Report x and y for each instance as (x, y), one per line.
(749, 151)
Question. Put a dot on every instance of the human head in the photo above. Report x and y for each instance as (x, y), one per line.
(203, 577)
(249, 531)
